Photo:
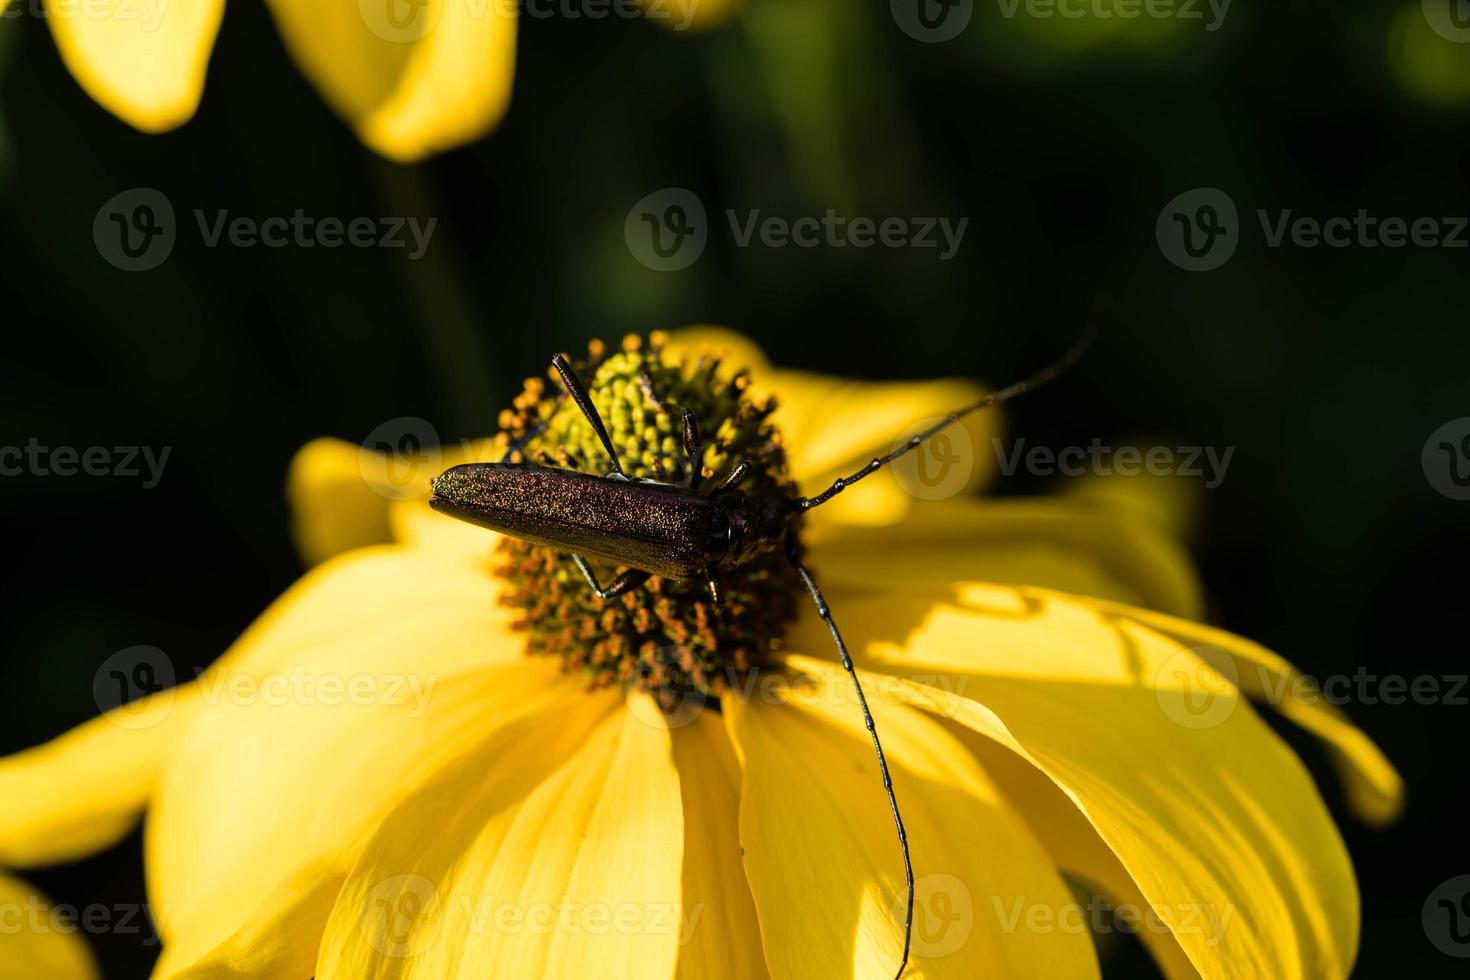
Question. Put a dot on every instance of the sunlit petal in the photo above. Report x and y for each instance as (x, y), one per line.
(824, 863)
(143, 61)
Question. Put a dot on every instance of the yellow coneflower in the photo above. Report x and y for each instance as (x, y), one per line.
(412, 77)
(658, 792)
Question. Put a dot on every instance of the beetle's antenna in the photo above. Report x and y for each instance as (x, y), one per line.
(903, 837)
(578, 391)
(1046, 374)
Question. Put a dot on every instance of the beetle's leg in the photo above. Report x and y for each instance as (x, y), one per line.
(625, 582)
(793, 553)
(716, 597)
(693, 450)
(578, 391)
(733, 479)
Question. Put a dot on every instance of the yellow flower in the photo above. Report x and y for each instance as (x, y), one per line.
(1047, 704)
(39, 939)
(412, 77)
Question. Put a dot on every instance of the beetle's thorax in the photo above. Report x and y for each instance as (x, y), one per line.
(754, 526)
(665, 637)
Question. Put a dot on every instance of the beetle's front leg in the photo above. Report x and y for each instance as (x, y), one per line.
(625, 582)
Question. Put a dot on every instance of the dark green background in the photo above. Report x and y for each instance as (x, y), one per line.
(1327, 369)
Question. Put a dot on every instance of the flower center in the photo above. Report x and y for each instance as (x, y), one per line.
(665, 637)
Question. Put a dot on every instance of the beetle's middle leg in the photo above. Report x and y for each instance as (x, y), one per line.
(625, 582)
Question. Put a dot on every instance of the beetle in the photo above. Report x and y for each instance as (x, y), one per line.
(653, 528)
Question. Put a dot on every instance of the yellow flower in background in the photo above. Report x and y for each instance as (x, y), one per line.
(38, 939)
(1048, 708)
(412, 77)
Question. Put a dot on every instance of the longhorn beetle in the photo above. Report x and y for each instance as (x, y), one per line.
(654, 528)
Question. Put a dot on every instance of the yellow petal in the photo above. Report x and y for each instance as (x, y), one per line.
(554, 851)
(1375, 790)
(726, 931)
(84, 790)
(369, 689)
(824, 862)
(833, 426)
(144, 62)
(346, 496)
(279, 940)
(1213, 816)
(1169, 502)
(415, 524)
(1076, 848)
(335, 505)
(1053, 542)
(736, 350)
(412, 76)
(38, 939)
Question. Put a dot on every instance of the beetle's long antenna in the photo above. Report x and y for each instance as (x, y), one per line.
(578, 391)
(1036, 380)
(903, 838)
